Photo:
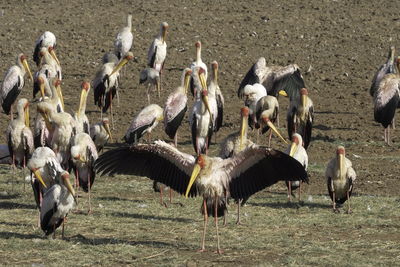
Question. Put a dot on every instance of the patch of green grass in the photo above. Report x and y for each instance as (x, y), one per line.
(130, 227)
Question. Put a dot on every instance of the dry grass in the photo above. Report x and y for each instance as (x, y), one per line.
(129, 226)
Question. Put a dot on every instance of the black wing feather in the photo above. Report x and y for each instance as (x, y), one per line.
(291, 84)
(250, 78)
(141, 160)
(172, 126)
(275, 166)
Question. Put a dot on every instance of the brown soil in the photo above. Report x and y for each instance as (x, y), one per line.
(342, 43)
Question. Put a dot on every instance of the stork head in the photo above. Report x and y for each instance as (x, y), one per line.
(41, 80)
(214, 67)
(297, 141)
(53, 55)
(22, 62)
(23, 107)
(197, 45)
(38, 176)
(164, 30)
(198, 166)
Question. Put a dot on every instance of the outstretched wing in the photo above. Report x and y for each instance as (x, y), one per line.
(259, 167)
(290, 83)
(160, 162)
(250, 78)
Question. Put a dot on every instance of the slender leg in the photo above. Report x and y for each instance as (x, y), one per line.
(90, 204)
(62, 231)
(77, 188)
(239, 201)
(269, 138)
(226, 201)
(219, 251)
(170, 195)
(23, 171)
(334, 198)
(389, 141)
(161, 196)
(290, 191)
(111, 111)
(277, 119)
(205, 226)
(300, 191)
(348, 201)
(117, 97)
(13, 172)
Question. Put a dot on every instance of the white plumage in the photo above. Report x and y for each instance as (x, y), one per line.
(46, 40)
(158, 49)
(124, 39)
(81, 120)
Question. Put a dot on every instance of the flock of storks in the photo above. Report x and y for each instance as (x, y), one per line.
(62, 143)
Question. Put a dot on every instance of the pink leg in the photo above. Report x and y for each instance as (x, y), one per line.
(205, 226)
(219, 251)
(290, 191)
(90, 205)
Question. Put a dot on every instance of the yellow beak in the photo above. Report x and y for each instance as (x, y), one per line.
(293, 149)
(27, 69)
(53, 54)
(69, 186)
(243, 131)
(203, 81)
(60, 95)
(41, 86)
(187, 80)
(273, 128)
(205, 100)
(193, 177)
(119, 66)
(39, 177)
(341, 165)
(283, 93)
(164, 35)
(27, 116)
(82, 100)
(216, 75)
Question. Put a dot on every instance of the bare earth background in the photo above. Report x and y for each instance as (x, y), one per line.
(342, 43)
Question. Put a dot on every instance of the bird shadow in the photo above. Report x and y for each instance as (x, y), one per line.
(112, 241)
(119, 199)
(5, 205)
(333, 112)
(324, 138)
(12, 224)
(151, 217)
(8, 235)
(13, 196)
(322, 127)
(289, 205)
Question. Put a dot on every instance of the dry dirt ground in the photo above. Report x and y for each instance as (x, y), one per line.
(340, 43)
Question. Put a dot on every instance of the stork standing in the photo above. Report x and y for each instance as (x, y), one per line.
(63, 128)
(300, 117)
(267, 111)
(386, 100)
(58, 201)
(100, 133)
(124, 39)
(147, 119)
(253, 93)
(340, 177)
(176, 106)
(384, 69)
(151, 78)
(198, 63)
(234, 144)
(20, 137)
(13, 83)
(46, 40)
(241, 176)
(158, 52)
(297, 151)
(201, 119)
(84, 154)
(82, 121)
(216, 98)
(274, 78)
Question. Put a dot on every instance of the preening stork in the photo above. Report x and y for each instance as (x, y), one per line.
(124, 39)
(44, 167)
(158, 52)
(20, 137)
(267, 111)
(198, 63)
(13, 83)
(151, 78)
(176, 106)
(46, 72)
(58, 201)
(84, 154)
(386, 100)
(300, 116)
(105, 83)
(234, 144)
(100, 133)
(211, 177)
(201, 119)
(47, 57)
(82, 121)
(274, 78)
(297, 151)
(216, 98)
(147, 119)
(46, 40)
(62, 126)
(253, 93)
(384, 69)
(340, 177)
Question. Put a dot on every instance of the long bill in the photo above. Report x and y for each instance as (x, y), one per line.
(27, 69)
(187, 80)
(119, 66)
(293, 149)
(341, 165)
(27, 116)
(203, 81)
(243, 129)
(39, 177)
(68, 185)
(53, 54)
(107, 127)
(60, 95)
(193, 177)
(273, 128)
(82, 100)
(41, 86)
(205, 100)
(303, 100)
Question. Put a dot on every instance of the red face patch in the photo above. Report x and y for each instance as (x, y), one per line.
(303, 91)
(201, 161)
(244, 111)
(85, 85)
